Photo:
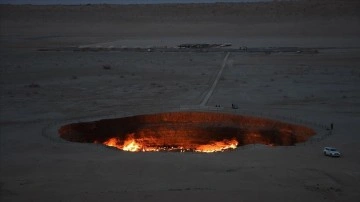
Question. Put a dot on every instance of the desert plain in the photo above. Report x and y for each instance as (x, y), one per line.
(65, 64)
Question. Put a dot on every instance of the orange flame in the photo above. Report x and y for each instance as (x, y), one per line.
(217, 146)
(132, 144)
(129, 144)
(113, 142)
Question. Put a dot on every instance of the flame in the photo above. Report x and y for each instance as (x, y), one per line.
(217, 146)
(129, 144)
(132, 144)
(113, 142)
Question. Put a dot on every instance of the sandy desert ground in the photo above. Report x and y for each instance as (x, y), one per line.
(43, 90)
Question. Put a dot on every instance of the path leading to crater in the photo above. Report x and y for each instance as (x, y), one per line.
(209, 94)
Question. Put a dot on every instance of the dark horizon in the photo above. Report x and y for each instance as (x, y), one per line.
(77, 2)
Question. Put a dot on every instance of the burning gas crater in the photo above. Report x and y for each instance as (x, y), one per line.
(185, 132)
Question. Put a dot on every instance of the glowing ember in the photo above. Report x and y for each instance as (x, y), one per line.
(217, 146)
(133, 145)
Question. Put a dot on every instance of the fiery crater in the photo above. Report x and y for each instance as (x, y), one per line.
(185, 131)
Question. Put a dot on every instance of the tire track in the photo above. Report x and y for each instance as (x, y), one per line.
(209, 94)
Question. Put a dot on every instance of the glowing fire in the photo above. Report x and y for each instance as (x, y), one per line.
(132, 144)
(129, 144)
(217, 146)
(113, 142)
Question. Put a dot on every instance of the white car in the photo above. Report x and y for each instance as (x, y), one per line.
(331, 151)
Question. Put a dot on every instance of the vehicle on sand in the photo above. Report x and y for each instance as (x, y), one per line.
(331, 151)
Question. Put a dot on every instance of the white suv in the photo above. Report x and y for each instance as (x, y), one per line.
(331, 151)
